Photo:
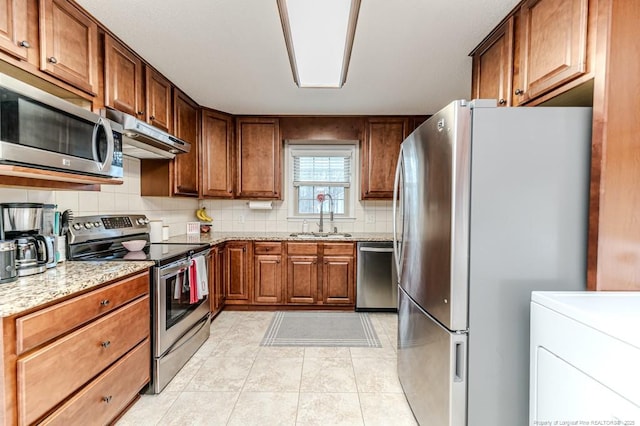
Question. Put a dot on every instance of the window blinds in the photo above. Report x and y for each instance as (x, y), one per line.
(333, 169)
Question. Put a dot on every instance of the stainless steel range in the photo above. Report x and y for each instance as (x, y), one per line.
(179, 308)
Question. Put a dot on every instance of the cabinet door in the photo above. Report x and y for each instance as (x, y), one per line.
(236, 272)
(158, 111)
(185, 166)
(68, 44)
(380, 150)
(338, 280)
(123, 83)
(267, 279)
(553, 48)
(217, 155)
(13, 27)
(258, 158)
(302, 279)
(493, 66)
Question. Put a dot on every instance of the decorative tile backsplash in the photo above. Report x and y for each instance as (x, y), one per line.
(228, 215)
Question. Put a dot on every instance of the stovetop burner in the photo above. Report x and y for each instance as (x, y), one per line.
(101, 237)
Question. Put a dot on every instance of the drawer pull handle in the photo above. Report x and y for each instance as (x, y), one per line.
(53, 60)
(104, 302)
(105, 344)
(107, 399)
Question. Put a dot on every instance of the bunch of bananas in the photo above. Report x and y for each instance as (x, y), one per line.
(202, 215)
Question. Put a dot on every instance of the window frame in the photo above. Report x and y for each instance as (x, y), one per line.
(291, 191)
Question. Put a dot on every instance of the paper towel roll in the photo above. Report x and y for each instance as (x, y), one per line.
(260, 205)
(155, 231)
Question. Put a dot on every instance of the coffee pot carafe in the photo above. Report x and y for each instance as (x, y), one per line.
(22, 223)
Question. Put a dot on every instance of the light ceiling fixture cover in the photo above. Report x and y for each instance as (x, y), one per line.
(319, 36)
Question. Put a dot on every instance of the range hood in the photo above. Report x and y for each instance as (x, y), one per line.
(141, 140)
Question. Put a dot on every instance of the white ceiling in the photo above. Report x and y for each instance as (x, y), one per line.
(409, 56)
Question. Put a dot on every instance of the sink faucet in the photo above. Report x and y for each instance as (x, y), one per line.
(321, 224)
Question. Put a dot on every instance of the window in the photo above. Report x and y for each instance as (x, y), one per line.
(317, 170)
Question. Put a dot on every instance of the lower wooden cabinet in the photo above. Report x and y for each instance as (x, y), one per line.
(267, 273)
(106, 396)
(290, 273)
(80, 361)
(216, 280)
(237, 272)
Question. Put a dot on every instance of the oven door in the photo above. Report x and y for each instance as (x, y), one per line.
(175, 311)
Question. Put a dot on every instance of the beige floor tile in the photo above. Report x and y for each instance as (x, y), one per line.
(275, 375)
(219, 374)
(184, 376)
(245, 334)
(236, 349)
(328, 375)
(376, 375)
(200, 409)
(329, 409)
(326, 352)
(385, 352)
(281, 352)
(149, 409)
(265, 408)
(382, 409)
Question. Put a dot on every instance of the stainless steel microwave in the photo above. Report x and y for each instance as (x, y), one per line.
(38, 129)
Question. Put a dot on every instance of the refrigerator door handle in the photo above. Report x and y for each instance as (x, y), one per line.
(459, 362)
(396, 190)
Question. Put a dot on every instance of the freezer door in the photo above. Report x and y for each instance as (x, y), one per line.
(431, 367)
(435, 199)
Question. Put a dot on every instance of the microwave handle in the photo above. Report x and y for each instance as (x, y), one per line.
(106, 165)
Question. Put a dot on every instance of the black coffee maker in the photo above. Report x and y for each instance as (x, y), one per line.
(21, 222)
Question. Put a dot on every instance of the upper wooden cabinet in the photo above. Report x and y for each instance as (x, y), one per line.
(379, 155)
(493, 65)
(217, 155)
(68, 44)
(544, 48)
(185, 166)
(553, 45)
(13, 28)
(123, 81)
(259, 159)
(159, 111)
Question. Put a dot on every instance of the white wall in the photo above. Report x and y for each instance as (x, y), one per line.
(228, 215)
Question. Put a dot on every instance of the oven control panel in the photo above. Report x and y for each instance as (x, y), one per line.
(85, 228)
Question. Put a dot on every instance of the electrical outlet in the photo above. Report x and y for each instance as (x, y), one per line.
(370, 218)
(241, 218)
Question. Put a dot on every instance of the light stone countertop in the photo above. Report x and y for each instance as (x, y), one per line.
(70, 277)
(214, 238)
(65, 279)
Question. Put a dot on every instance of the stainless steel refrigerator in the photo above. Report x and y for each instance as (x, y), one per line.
(491, 204)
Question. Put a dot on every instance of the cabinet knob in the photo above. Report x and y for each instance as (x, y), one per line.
(53, 60)
(277, 261)
(104, 302)
(519, 91)
(105, 344)
(25, 44)
(153, 117)
(107, 399)
(140, 112)
(502, 102)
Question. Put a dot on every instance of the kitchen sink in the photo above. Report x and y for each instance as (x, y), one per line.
(329, 235)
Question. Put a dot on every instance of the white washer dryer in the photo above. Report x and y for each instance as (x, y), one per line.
(585, 358)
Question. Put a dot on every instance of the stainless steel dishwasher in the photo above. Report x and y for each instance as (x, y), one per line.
(376, 289)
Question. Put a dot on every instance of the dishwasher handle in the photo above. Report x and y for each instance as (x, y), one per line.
(377, 249)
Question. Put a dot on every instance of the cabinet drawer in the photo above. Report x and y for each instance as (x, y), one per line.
(39, 327)
(302, 248)
(105, 397)
(338, 248)
(267, 248)
(52, 373)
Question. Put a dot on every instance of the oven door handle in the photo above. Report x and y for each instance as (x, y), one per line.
(174, 268)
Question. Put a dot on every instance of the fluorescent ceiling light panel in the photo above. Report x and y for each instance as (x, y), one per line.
(319, 35)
